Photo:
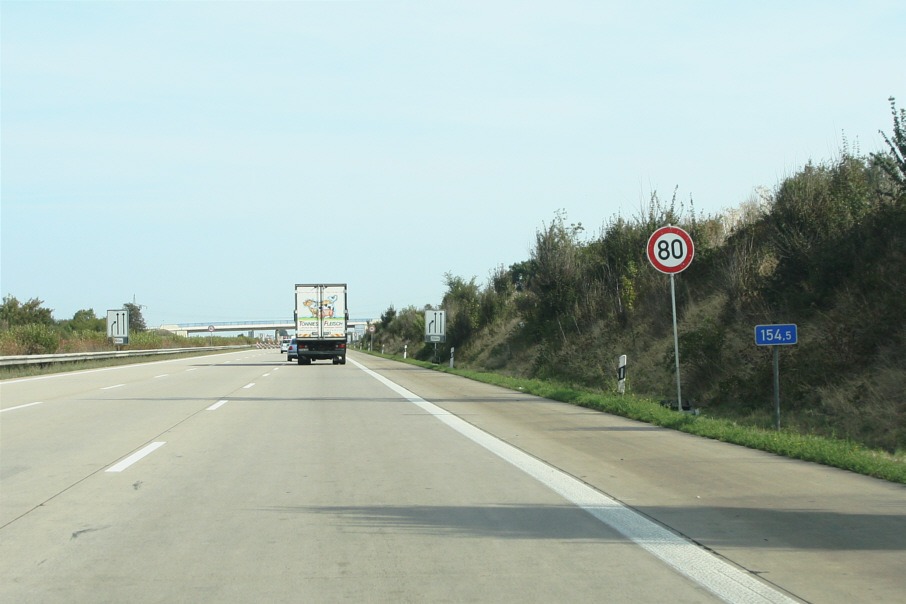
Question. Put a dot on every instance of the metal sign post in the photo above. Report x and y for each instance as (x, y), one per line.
(679, 391)
(670, 250)
(776, 336)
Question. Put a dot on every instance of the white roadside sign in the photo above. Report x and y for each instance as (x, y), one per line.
(118, 325)
(435, 326)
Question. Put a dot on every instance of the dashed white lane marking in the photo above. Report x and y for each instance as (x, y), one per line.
(135, 457)
(22, 406)
(112, 387)
(216, 405)
(67, 374)
(722, 579)
(248, 386)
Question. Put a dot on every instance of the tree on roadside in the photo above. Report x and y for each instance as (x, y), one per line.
(13, 312)
(894, 162)
(387, 317)
(84, 320)
(136, 321)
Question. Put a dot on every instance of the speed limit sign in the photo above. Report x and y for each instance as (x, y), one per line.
(670, 249)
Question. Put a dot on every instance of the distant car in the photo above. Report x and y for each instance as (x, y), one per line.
(284, 345)
(291, 350)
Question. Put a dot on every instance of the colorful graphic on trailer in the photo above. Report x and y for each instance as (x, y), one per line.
(323, 309)
(320, 313)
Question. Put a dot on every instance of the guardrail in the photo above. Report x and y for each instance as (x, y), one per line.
(38, 359)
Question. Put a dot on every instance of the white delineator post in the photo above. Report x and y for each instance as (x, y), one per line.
(621, 374)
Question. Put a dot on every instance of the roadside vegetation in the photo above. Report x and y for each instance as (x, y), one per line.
(825, 249)
(29, 328)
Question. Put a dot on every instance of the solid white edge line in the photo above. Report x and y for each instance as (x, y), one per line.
(22, 406)
(216, 405)
(719, 577)
(135, 457)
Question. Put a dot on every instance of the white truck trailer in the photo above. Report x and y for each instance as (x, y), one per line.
(321, 315)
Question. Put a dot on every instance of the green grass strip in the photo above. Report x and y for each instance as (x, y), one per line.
(819, 449)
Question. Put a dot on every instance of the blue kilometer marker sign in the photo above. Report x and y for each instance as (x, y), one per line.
(776, 335)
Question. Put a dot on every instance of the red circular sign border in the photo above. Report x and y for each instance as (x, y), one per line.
(652, 257)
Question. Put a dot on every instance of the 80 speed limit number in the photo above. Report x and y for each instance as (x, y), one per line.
(670, 249)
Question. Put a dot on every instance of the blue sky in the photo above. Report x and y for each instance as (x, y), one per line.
(203, 157)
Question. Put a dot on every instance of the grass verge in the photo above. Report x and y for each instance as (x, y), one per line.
(819, 449)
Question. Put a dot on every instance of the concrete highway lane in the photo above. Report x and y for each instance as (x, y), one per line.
(242, 478)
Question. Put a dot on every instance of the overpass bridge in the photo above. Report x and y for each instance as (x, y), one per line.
(184, 329)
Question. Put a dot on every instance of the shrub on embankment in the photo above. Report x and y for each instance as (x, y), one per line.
(825, 249)
(29, 328)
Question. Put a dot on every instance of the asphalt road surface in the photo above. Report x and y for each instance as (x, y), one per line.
(243, 478)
